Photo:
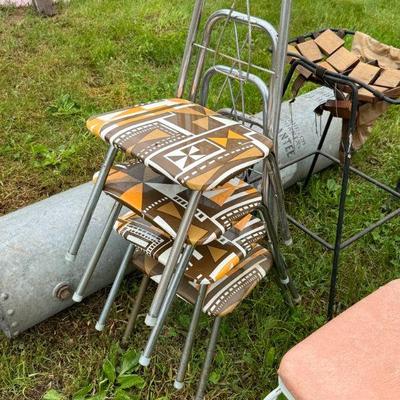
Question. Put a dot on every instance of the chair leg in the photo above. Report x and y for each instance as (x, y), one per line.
(279, 261)
(135, 309)
(173, 259)
(168, 299)
(187, 350)
(274, 394)
(78, 295)
(208, 360)
(339, 232)
(320, 145)
(275, 177)
(91, 204)
(115, 288)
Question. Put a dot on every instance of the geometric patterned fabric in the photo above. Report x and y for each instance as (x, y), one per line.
(210, 262)
(223, 296)
(163, 202)
(190, 144)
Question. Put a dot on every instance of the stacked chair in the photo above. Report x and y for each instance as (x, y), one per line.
(194, 225)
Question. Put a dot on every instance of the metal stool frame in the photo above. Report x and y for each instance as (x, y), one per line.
(329, 79)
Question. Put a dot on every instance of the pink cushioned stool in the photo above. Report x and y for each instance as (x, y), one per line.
(356, 356)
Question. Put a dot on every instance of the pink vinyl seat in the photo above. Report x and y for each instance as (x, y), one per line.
(356, 356)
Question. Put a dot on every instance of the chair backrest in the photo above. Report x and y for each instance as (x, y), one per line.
(238, 69)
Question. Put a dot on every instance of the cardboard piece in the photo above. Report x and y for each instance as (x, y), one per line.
(367, 96)
(291, 49)
(365, 72)
(343, 59)
(389, 78)
(329, 42)
(327, 66)
(310, 50)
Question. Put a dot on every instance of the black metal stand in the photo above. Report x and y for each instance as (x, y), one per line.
(332, 79)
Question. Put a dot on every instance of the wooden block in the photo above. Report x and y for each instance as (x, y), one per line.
(303, 71)
(310, 50)
(327, 66)
(393, 93)
(389, 78)
(329, 42)
(339, 108)
(364, 72)
(366, 95)
(291, 49)
(343, 59)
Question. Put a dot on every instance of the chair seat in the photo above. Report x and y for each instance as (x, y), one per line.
(163, 202)
(355, 356)
(190, 144)
(210, 262)
(225, 295)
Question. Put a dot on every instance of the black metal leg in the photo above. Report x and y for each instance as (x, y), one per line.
(339, 230)
(320, 145)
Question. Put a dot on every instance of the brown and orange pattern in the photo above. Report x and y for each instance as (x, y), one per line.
(224, 295)
(163, 202)
(187, 143)
(210, 262)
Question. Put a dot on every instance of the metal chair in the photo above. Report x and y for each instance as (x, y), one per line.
(107, 125)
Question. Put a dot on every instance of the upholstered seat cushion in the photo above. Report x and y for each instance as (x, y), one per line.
(187, 143)
(163, 202)
(210, 262)
(356, 356)
(224, 295)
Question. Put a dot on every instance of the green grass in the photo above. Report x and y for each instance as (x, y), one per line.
(100, 55)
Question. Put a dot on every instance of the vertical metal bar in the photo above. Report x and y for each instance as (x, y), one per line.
(173, 258)
(135, 310)
(78, 295)
(91, 204)
(349, 128)
(187, 55)
(178, 384)
(208, 360)
(169, 297)
(115, 288)
(279, 261)
(320, 145)
(279, 60)
(279, 198)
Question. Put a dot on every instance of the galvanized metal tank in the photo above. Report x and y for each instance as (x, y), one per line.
(35, 280)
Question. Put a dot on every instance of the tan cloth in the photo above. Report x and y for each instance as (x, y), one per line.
(370, 49)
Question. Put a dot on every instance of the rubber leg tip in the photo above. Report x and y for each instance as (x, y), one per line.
(70, 257)
(178, 385)
(99, 327)
(144, 361)
(288, 242)
(297, 300)
(150, 320)
(77, 298)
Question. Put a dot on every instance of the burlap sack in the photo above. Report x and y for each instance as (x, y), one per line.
(370, 49)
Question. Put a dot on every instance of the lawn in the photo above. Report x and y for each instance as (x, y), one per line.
(100, 55)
